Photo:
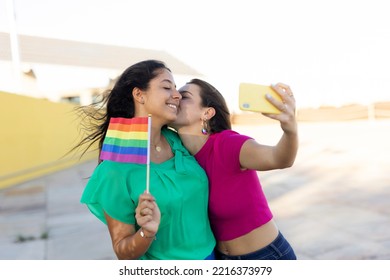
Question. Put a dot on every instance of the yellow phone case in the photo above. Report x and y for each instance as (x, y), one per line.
(252, 98)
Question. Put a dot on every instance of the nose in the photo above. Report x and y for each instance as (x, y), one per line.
(176, 94)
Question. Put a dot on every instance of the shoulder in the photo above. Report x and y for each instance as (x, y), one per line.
(109, 168)
(228, 144)
(230, 136)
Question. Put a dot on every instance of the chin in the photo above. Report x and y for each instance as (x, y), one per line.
(172, 119)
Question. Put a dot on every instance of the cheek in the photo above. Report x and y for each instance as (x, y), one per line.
(186, 113)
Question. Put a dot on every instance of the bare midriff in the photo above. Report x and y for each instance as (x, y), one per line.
(250, 242)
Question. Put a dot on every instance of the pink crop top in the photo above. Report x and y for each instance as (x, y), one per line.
(237, 204)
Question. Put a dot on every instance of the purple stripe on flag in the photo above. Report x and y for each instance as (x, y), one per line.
(123, 157)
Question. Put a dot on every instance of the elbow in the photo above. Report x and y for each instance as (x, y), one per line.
(124, 252)
(287, 164)
(289, 161)
(119, 254)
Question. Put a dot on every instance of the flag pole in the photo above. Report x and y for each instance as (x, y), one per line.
(148, 153)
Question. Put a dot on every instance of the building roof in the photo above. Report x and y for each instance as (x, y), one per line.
(74, 53)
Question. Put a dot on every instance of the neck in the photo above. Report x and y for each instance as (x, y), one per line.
(155, 130)
(193, 141)
(155, 135)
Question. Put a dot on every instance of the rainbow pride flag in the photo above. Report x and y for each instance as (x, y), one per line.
(126, 140)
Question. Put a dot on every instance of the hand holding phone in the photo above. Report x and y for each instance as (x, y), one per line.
(252, 98)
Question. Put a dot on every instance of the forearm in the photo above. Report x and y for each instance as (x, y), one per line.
(133, 247)
(128, 243)
(286, 150)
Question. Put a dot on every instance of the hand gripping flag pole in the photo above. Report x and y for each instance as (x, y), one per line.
(127, 140)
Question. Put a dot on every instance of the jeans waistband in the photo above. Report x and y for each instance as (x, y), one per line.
(276, 247)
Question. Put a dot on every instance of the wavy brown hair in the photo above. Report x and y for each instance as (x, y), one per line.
(211, 97)
(117, 102)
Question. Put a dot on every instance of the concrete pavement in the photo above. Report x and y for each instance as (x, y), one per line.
(333, 204)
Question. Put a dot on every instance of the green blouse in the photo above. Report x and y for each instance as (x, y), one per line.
(180, 187)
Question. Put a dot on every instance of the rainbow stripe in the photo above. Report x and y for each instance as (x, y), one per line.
(126, 140)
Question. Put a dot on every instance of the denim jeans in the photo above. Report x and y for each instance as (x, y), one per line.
(279, 249)
(211, 256)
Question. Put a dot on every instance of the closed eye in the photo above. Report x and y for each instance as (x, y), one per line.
(184, 95)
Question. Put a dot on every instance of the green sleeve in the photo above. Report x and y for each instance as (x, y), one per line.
(108, 191)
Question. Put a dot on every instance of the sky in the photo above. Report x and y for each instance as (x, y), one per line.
(333, 52)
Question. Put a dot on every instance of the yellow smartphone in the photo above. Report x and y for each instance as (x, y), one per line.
(252, 98)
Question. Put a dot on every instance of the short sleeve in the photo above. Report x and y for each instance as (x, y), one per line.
(108, 191)
(229, 147)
